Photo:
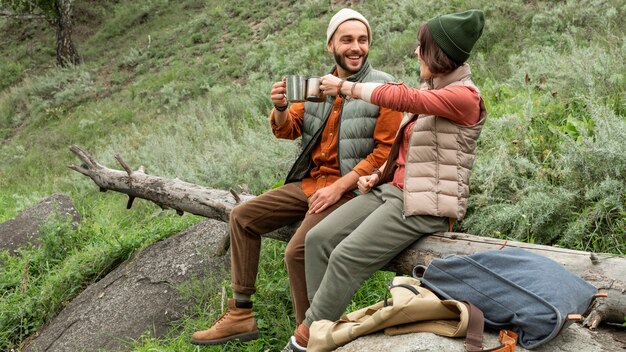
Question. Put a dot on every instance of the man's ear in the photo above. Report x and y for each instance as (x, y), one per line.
(329, 46)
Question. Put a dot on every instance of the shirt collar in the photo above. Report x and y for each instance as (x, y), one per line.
(462, 72)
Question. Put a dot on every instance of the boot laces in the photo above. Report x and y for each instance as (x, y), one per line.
(222, 317)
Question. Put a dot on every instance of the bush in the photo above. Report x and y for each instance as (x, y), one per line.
(47, 98)
(577, 198)
(10, 72)
(221, 141)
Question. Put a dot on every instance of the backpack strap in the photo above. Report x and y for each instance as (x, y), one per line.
(474, 338)
(391, 285)
(475, 328)
(508, 339)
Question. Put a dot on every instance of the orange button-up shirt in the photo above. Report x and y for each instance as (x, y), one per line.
(325, 154)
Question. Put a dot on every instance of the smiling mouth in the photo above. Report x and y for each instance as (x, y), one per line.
(354, 58)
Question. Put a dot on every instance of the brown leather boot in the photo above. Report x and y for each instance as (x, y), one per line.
(234, 324)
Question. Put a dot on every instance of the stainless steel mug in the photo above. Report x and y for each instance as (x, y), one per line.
(313, 92)
(296, 88)
(303, 88)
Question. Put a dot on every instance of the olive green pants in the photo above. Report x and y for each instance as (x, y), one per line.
(355, 241)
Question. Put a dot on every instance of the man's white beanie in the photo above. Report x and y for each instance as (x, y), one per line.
(345, 15)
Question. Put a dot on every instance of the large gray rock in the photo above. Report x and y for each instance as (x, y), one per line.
(573, 339)
(25, 228)
(140, 295)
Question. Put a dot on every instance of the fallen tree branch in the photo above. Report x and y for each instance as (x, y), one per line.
(607, 272)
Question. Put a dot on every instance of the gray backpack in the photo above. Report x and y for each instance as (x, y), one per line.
(515, 289)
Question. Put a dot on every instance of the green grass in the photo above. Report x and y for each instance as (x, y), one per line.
(272, 307)
(182, 88)
(69, 259)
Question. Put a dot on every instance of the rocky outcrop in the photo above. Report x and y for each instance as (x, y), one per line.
(573, 339)
(140, 295)
(25, 228)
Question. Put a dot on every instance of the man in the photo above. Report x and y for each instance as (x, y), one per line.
(342, 140)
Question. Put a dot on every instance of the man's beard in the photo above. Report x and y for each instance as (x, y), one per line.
(341, 61)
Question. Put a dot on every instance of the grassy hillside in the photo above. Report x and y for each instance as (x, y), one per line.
(182, 87)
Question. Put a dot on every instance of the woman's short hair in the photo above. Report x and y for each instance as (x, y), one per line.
(432, 55)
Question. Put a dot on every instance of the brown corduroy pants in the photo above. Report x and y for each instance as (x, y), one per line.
(265, 213)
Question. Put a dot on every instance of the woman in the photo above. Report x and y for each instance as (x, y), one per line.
(422, 187)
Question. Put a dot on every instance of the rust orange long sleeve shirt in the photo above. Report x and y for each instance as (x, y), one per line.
(325, 154)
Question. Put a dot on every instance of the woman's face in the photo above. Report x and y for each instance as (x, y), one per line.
(425, 73)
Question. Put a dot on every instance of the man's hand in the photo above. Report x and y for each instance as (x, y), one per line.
(366, 183)
(278, 93)
(323, 198)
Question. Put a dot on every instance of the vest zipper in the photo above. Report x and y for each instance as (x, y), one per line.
(437, 164)
(306, 151)
(339, 140)
(406, 161)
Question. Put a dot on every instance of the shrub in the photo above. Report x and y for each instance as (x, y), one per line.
(47, 98)
(577, 199)
(221, 141)
(10, 72)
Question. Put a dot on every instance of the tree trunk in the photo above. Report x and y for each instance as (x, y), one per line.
(66, 51)
(605, 271)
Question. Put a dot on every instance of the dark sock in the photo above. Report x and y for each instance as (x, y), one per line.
(243, 304)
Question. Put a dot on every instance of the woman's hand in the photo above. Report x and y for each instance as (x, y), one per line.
(329, 84)
(366, 183)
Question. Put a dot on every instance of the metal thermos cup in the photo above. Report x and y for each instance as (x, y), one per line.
(313, 89)
(296, 88)
(303, 88)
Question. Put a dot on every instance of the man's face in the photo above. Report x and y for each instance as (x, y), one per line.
(349, 45)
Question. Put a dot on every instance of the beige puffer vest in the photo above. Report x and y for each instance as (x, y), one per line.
(439, 159)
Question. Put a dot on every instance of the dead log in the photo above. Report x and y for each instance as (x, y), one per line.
(165, 192)
(606, 271)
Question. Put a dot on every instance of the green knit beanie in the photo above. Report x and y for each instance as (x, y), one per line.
(456, 33)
